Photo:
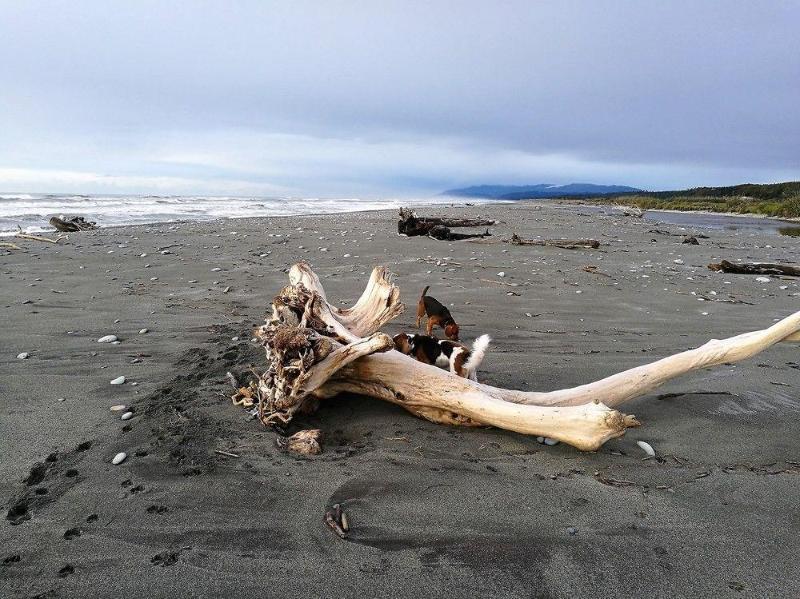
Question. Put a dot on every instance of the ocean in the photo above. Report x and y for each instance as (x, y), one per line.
(31, 212)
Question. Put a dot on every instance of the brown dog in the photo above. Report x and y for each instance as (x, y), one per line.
(437, 315)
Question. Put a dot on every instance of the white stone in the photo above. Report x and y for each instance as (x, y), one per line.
(120, 380)
(647, 448)
(126, 416)
(762, 279)
(23, 356)
(118, 408)
(119, 458)
(501, 274)
(143, 331)
(107, 339)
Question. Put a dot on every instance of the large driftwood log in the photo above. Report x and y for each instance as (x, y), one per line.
(567, 244)
(412, 225)
(316, 351)
(756, 268)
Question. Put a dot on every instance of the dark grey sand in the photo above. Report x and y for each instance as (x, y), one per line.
(435, 511)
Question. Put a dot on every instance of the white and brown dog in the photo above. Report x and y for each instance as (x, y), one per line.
(458, 358)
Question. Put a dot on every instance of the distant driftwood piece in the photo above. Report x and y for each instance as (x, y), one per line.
(72, 225)
(316, 351)
(567, 244)
(412, 225)
(756, 268)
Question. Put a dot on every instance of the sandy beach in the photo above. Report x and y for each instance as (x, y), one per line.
(434, 510)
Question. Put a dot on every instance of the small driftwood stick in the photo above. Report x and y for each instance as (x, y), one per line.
(566, 244)
(756, 268)
(37, 237)
(9, 246)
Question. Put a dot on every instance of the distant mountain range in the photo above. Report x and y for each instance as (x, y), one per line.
(540, 190)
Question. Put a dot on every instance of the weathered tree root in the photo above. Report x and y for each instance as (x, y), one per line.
(316, 351)
(758, 268)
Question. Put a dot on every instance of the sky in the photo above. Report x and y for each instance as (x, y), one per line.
(392, 99)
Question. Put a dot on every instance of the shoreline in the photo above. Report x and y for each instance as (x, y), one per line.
(45, 229)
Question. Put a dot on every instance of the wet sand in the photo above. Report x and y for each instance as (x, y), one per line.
(434, 510)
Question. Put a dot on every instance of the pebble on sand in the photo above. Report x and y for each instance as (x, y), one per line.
(120, 380)
(143, 331)
(118, 408)
(126, 416)
(119, 458)
(23, 356)
(107, 339)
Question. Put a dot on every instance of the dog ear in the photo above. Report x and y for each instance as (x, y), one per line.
(402, 343)
(451, 331)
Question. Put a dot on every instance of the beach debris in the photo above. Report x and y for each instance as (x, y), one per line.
(107, 339)
(120, 380)
(763, 279)
(647, 448)
(226, 453)
(412, 225)
(126, 416)
(118, 408)
(119, 458)
(690, 240)
(23, 356)
(632, 211)
(337, 521)
(565, 244)
(246, 396)
(9, 246)
(316, 350)
(305, 442)
(756, 268)
(72, 225)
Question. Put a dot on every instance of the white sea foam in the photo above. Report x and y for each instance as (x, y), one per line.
(32, 211)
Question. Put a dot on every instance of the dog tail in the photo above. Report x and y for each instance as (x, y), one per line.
(479, 347)
(425, 291)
